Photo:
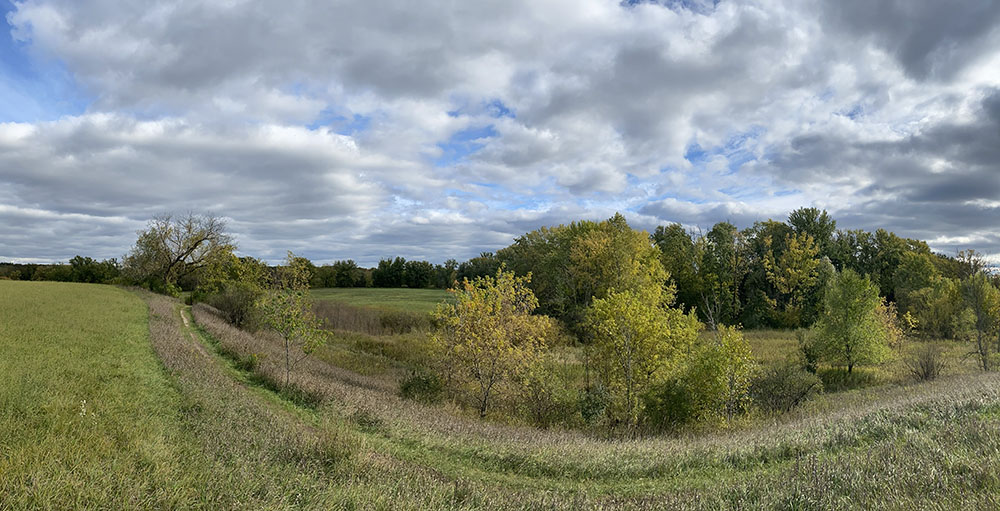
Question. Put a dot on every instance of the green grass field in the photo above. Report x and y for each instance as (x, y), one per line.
(117, 400)
(407, 300)
(87, 413)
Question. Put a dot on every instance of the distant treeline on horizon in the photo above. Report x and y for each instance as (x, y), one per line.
(769, 274)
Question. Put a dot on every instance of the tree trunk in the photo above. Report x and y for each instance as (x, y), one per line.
(288, 366)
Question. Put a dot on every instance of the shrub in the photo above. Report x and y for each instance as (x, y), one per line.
(925, 363)
(593, 403)
(545, 397)
(421, 386)
(783, 387)
(669, 405)
(809, 350)
(237, 302)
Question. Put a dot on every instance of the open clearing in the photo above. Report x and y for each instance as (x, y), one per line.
(407, 300)
(176, 417)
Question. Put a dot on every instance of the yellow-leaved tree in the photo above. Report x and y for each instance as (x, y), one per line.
(488, 337)
(637, 342)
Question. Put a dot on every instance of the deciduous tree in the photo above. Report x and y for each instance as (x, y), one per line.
(285, 307)
(637, 341)
(171, 248)
(851, 331)
(488, 336)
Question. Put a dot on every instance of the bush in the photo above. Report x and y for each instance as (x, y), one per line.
(783, 387)
(669, 405)
(925, 363)
(809, 350)
(421, 386)
(593, 403)
(237, 302)
(546, 398)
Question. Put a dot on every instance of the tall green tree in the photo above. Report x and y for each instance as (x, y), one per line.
(721, 270)
(982, 301)
(793, 274)
(851, 330)
(817, 224)
(915, 272)
(637, 342)
(682, 260)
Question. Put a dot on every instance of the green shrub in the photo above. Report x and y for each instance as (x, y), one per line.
(593, 403)
(237, 302)
(547, 399)
(668, 406)
(809, 350)
(783, 387)
(421, 386)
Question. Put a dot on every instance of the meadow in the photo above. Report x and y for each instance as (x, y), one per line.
(401, 299)
(125, 399)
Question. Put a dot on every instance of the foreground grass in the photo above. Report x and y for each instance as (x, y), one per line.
(407, 300)
(87, 415)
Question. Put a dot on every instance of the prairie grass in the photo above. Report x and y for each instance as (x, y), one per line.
(373, 321)
(86, 413)
(224, 438)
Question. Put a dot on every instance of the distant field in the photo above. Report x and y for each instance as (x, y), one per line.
(409, 300)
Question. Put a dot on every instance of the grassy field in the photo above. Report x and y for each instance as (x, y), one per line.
(407, 300)
(106, 405)
(87, 415)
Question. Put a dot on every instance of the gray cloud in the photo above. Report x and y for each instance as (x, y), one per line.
(929, 39)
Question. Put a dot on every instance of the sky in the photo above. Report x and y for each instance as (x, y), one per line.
(440, 129)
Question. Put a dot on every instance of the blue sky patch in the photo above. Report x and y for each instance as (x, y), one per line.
(340, 124)
(463, 143)
(32, 89)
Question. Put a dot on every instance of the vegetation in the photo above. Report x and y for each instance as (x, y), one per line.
(850, 331)
(594, 366)
(488, 338)
(637, 343)
(404, 300)
(286, 309)
(171, 249)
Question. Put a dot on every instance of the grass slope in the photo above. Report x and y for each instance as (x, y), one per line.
(87, 414)
(407, 300)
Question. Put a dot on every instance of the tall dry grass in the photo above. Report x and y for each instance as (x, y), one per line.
(369, 320)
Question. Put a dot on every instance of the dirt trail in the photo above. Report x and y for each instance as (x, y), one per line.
(195, 342)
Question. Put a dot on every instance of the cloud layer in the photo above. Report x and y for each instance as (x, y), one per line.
(436, 130)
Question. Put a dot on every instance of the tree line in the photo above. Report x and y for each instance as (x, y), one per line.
(638, 304)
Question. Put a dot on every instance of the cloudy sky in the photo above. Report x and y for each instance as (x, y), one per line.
(440, 129)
